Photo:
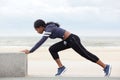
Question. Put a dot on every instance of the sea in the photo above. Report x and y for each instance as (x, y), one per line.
(31, 41)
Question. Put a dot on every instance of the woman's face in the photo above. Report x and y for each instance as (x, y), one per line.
(40, 30)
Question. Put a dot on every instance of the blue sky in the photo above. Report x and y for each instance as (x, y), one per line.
(82, 17)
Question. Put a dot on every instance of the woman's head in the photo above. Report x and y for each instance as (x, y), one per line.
(39, 26)
(39, 23)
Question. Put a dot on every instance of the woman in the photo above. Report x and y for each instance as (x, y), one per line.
(69, 40)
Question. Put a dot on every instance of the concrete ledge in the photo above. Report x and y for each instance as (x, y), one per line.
(13, 65)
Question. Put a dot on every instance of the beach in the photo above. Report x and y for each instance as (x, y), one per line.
(41, 63)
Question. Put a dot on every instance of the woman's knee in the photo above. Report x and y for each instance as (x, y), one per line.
(53, 53)
(51, 49)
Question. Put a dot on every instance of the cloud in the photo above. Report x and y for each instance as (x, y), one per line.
(27, 7)
(85, 13)
(85, 9)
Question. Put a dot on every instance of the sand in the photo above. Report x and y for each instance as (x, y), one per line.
(40, 63)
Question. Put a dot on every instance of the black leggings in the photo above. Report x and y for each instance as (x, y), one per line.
(73, 42)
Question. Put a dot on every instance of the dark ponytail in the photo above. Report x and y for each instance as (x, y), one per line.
(41, 23)
(53, 23)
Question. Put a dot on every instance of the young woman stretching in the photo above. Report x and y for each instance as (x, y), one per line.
(69, 40)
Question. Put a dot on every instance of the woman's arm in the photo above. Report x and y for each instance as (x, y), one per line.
(38, 44)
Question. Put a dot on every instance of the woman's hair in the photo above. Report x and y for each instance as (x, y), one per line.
(39, 23)
(42, 23)
(53, 23)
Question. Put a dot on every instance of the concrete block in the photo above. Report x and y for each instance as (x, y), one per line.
(13, 65)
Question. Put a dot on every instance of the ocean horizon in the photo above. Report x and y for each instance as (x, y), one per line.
(86, 41)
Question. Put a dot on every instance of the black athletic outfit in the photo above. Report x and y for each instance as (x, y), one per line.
(73, 41)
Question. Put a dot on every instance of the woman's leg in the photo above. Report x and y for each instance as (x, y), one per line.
(74, 42)
(78, 47)
(59, 63)
(54, 49)
(99, 62)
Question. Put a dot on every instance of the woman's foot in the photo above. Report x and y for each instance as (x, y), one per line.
(61, 70)
(107, 70)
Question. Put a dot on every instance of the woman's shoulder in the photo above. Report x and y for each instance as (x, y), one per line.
(50, 26)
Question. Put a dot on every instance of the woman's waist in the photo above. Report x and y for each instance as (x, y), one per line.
(66, 35)
(71, 36)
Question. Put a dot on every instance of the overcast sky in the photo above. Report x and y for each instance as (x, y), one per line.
(82, 17)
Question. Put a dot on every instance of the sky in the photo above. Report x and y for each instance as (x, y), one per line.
(82, 17)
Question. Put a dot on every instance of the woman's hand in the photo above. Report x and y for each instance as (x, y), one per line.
(26, 51)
